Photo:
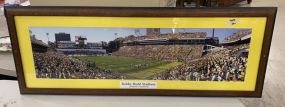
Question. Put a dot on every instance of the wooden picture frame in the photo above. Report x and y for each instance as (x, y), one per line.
(20, 19)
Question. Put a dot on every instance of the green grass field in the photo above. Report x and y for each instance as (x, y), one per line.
(132, 68)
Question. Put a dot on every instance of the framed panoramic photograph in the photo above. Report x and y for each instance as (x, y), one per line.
(219, 52)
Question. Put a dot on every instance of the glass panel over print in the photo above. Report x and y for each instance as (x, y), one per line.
(190, 54)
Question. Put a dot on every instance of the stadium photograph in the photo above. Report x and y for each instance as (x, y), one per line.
(188, 54)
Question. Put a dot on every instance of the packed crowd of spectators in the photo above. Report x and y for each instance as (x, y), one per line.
(56, 65)
(223, 65)
(238, 35)
(166, 36)
(161, 52)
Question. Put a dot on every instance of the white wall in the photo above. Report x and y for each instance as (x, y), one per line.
(5, 40)
(3, 24)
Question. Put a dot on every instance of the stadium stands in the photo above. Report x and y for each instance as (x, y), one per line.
(238, 35)
(38, 45)
(167, 39)
(226, 63)
(168, 36)
(222, 65)
(55, 65)
(161, 52)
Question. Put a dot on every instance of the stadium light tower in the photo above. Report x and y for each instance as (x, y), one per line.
(173, 30)
(116, 34)
(47, 36)
(213, 33)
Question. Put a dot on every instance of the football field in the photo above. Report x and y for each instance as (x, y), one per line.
(131, 68)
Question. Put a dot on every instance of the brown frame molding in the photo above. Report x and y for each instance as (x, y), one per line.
(269, 12)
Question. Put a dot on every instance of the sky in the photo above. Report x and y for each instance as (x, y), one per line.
(108, 34)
